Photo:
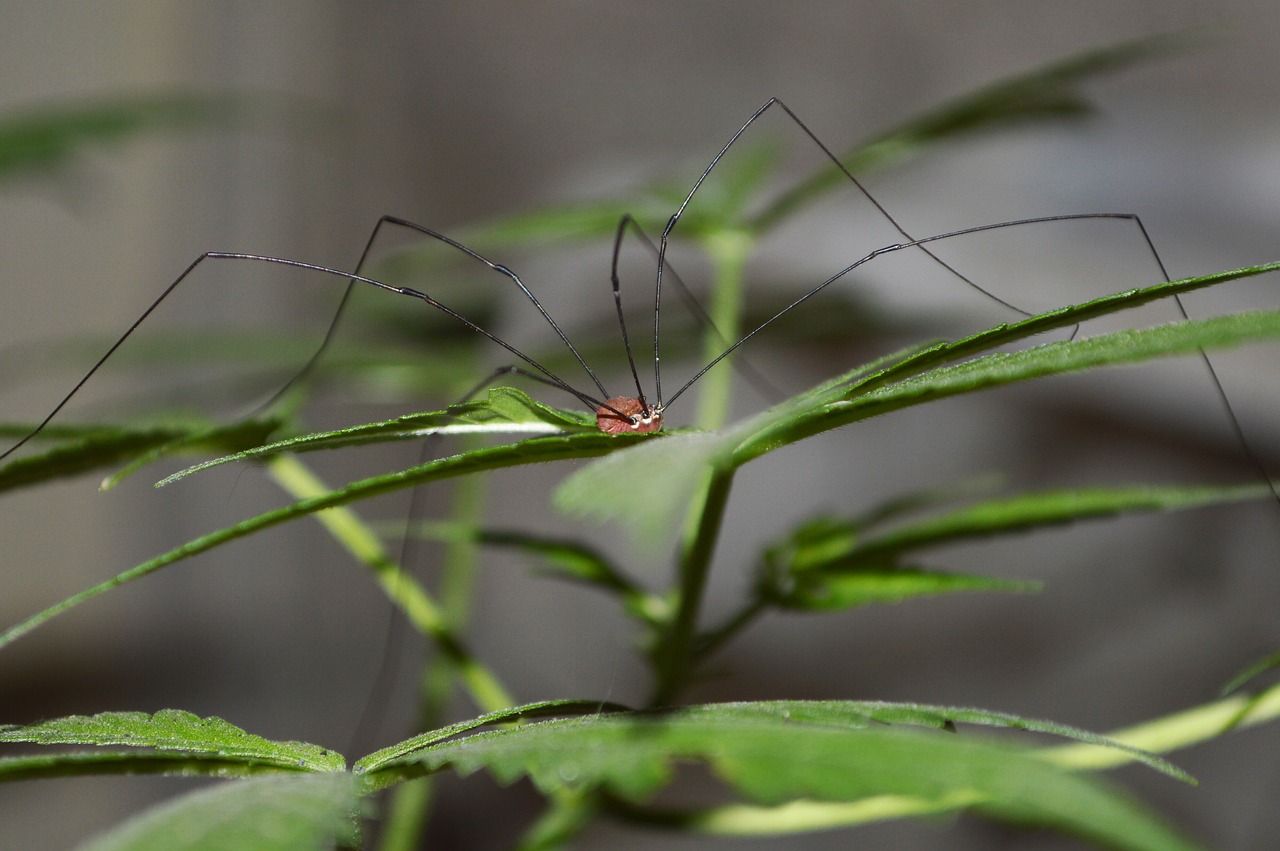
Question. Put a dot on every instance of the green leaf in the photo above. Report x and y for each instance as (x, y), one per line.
(1047, 93)
(283, 813)
(647, 485)
(1033, 511)
(722, 200)
(215, 438)
(381, 760)
(1171, 732)
(1258, 668)
(568, 223)
(861, 713)
(94, 447)
(848, 589)
(43, 138)
(175, 731)
(997, 370)
(505, 411)
(560, 558)
(772, 757)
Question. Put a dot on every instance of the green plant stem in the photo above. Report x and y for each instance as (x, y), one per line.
(674, 653)
(418, 606)
(728, 250)
(406, 816)
(1172, 732)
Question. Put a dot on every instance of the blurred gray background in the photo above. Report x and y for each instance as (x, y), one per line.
(450, 114)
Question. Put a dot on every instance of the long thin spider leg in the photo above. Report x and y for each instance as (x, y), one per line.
(675, 218)
(889, 249)
(883, 210)
(662, 249)
(334, 321)
(617, 303)
(763, 385)
(503, 270)
(1232, 420)
(331, 330)
(259, 258)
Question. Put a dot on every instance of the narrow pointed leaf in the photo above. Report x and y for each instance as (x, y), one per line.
(217, 438)
(36, 140)
(176, 731)
(997, 370)
(1047, 93)
(1033, 511)
(560, 558)
(849, 589)
(396, 753)
(1258, 668)
(867, 712)
(106, 446)
(505, 411)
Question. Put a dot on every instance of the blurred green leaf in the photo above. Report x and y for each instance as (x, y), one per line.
(560, 558)
(1258, 668)
(40, 139)
(1048, 93)
(832, 591)
(282, 813)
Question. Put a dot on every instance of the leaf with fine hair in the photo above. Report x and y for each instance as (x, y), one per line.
(174, 731)
(506, 410)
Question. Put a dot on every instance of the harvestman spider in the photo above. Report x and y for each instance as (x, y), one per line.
(617, 414)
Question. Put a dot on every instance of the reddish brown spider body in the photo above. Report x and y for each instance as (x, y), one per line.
(646, 419)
